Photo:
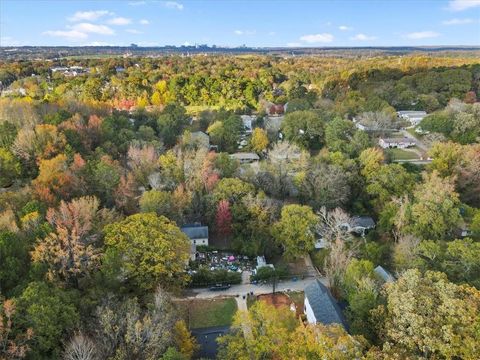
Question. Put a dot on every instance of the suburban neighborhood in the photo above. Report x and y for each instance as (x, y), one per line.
(239, 180)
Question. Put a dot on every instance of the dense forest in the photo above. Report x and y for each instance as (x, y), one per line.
(99, 169)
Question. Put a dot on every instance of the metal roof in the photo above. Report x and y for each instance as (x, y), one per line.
(245, 156)
(195, 232)
(324, 306)
(384, 274)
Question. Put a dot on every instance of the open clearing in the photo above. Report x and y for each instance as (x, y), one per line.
(208, 313)
(285, 300)
(401, 154)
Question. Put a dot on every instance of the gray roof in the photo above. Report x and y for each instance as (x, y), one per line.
(384, 274)
(245, 156)
(323, 304)
(411, 112)
(363, 221)
(195, 232)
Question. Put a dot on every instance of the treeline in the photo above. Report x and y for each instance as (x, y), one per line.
(412, 82)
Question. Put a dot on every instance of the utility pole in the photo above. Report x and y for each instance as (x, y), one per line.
(274, 283)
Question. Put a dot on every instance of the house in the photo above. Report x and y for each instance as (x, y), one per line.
(197, 234)
(413, 117)
(401, 143)
(200, 139)
(276, 109)
(245, 157)
(360, 126)
(360, 224)
(248, 122)
(383, 274)
(462, 231)
(321, 307)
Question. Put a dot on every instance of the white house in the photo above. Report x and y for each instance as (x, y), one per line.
(197, 234)
(413, 117)
(321, 307)
(248, 122)
(401, 143)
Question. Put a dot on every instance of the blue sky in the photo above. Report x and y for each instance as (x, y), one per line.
(234, 23)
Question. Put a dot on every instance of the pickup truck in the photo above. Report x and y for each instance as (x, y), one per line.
(219, 287)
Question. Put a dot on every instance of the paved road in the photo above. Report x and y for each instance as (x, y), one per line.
(243, 289)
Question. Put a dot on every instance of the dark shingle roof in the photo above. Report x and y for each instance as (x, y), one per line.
(363, 221)
(195, 232)
(323, 304)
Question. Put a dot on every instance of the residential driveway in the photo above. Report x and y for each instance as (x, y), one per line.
(243, 289)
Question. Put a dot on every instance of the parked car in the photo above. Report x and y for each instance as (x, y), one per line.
(218, 287)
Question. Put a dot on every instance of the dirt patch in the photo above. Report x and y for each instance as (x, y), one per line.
(280, 300)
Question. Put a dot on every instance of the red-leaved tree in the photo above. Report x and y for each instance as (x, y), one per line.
(223, 218)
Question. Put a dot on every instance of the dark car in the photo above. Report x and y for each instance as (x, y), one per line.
(219, 287)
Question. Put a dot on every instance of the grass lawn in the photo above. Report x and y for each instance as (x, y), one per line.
(208, 313)
(400, 154)
(298, 298)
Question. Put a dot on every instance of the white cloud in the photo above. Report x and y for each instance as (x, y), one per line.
(144, 22)
(457, 21)
(317, 38)
(272, 33)
(363, 37)
(92, 28)
(89, 15)
(119, 21)
(460, 5)
(186, 43)
(345, 28)
(422, 35)
(294, 44)
(134, 31)
(244, 32)
(72, 35)
(173, 5)
(137, 3)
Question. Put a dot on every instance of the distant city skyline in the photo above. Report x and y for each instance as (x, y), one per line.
(344, 23)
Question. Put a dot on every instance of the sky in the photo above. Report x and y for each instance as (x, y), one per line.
(234, 23)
